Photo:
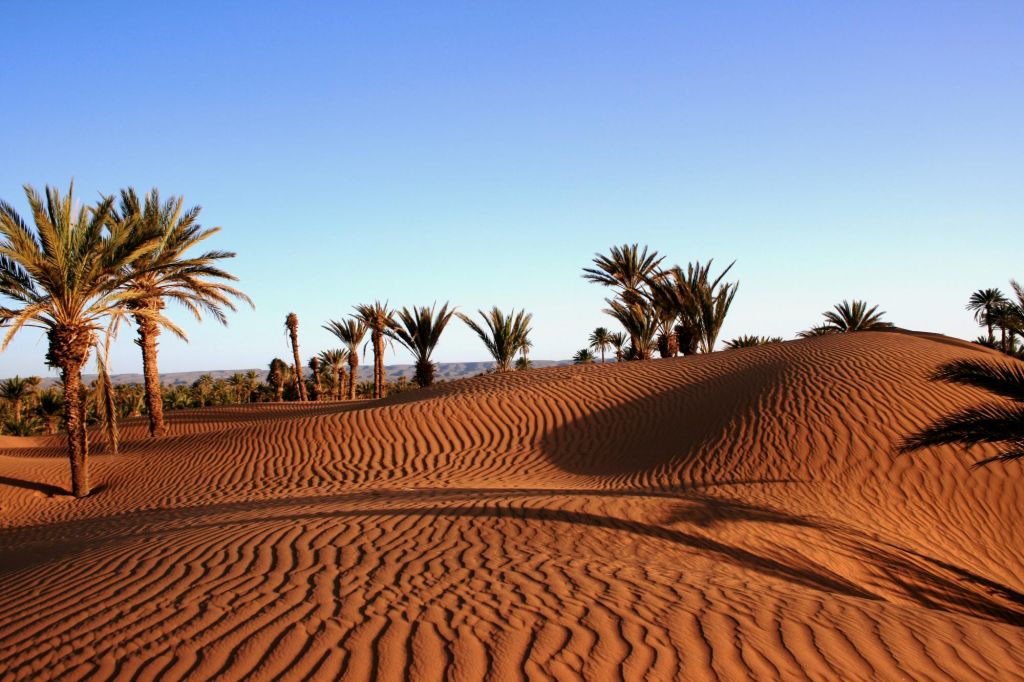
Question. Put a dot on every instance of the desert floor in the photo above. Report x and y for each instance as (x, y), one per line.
(740, 515)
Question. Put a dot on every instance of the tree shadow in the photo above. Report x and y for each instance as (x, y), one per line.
(44, 488)
(650, 432)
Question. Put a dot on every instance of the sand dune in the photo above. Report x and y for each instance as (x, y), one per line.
(733, 516)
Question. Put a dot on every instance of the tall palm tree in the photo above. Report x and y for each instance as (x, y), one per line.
(335, 360)
(67, 278)
(168, 273)
(640, 323)
(583, 356)
(277, 377)
(999, 422)
(983, 302)
(502, 334)
(16, 392)
(627, 268)
(618, 341)
(351, 333)
(600, 341)
(855, 317)
(291, 323)
(419, 330)
(379, 319)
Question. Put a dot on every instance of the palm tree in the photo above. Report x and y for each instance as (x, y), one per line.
(503, 335)
(751, 340)
(854, 317)
(525, 344)
(600, 341)
(817, 330)
(640, 323)
(983, 302)
(277, 376)
(378, 319)
(699, 301)
(999, 422)
(419, 330)
(167, 273)
(291, 323)
(583, 357)
(49, 407)
(15, 392)
(314, 368)
(106, 401)
(627, 268)
(239, 384)
(67, 278)
(618, 341)
(351, 333)
(335, 361)
(203, 387)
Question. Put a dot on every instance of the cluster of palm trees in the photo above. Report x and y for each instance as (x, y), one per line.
(82, 271)
(994, 311)
(334, 372)
(669, 310)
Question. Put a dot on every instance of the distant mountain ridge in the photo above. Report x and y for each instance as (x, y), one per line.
(447, 371)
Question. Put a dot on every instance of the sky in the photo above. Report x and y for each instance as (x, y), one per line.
(482, 152)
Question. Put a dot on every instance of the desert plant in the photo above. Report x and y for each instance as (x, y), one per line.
(751, 340)
(335, 360)
(49, 406)
(627, 268)
(854, 316)
(1000, 423)
(700, 303)
(277, 376)
(640, 323)
(419, 330)
(314, 368)
(983, 303)
(16, 391)
(503, 335)
(350, 332)
(291, 323)
(618, 340)
(67, 278)
(168, 273)
(378, 318)
(583, 356)
(600, 341)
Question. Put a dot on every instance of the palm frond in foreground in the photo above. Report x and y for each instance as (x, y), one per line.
(999, 423)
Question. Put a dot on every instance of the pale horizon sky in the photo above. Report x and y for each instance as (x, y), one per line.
(480, 153)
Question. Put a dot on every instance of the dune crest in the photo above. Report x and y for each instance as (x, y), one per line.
(735, 515)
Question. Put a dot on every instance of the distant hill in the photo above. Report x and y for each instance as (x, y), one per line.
(447, 371)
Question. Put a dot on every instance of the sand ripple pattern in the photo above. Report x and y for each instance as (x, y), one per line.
(734, 516)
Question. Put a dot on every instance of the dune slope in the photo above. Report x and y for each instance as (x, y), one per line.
(733, 516)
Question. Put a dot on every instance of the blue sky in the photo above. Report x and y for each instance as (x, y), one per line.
(482, 152)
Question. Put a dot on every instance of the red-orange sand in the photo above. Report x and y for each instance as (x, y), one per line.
(733, 516)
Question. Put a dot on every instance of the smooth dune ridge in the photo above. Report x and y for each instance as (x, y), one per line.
(740, 515)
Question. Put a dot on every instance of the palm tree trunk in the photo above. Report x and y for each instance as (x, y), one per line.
(17, 409)
(293, 331)
(148, 333)
(339, 391)
(378, 364)
(353, 369)
(74, 424)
